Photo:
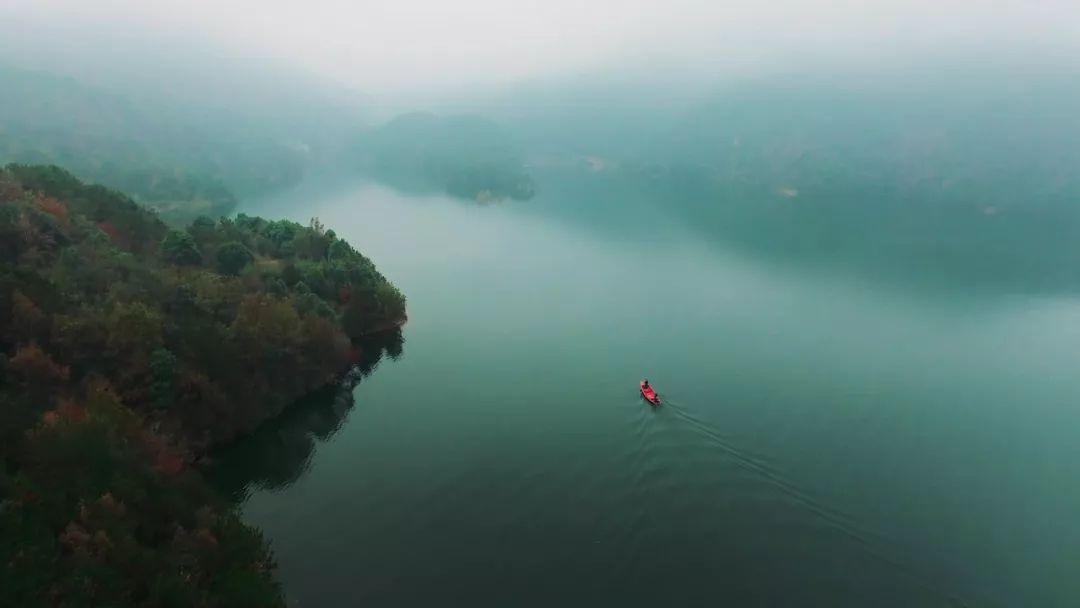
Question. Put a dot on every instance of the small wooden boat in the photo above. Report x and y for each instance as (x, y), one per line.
(649, 394)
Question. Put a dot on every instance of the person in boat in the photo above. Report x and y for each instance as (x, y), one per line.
(645, 385)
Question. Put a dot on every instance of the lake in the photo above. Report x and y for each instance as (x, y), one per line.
(828, 437)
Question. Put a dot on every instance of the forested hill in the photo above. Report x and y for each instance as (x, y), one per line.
(127, 348)
(182, 162)
(465, 156)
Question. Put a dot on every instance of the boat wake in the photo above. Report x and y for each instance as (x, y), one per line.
(880, 547)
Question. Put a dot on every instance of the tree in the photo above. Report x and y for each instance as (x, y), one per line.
(133, 328)
(27, 321)
(162, 373)
(311, 243)
(106, 358)
(40, 374)
(179, 248)
(265, 326)
(232, 258)
(202, 229)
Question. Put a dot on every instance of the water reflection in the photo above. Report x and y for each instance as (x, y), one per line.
(281, 450)
(888, 232)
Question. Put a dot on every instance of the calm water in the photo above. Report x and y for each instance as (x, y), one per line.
(827, 439)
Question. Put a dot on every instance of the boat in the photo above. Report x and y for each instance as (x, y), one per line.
(649, 394)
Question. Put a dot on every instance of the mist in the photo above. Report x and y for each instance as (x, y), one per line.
(416, 50)
(839, 238)
(711, 108)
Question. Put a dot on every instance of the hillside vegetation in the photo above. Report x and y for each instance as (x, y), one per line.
(175, 164)
(126, 350)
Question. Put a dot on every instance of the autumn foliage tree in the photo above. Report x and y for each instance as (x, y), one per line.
(39, 373)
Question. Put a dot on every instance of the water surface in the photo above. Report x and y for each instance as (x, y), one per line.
(827, 438)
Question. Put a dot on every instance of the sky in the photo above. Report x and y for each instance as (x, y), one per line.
(417, 47)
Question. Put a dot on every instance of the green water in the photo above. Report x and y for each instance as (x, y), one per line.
(827, 438)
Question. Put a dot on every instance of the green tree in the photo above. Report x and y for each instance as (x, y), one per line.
(232, 258)
(265, 326)
(162, 373)
(179, 248)
(134, 328)
(202, 229)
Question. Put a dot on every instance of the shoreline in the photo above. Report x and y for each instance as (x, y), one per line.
(349, 376)
(383, 327)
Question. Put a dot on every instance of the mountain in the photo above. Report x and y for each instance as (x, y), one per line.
(465, 156)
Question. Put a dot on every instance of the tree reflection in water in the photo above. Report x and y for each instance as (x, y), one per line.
(280, 451)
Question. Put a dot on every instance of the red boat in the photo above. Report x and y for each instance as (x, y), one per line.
(649, 394)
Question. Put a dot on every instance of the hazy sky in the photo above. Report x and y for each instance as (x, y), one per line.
(417, 46)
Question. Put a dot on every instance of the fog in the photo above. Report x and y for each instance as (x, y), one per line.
(710, 107)
(850, 225)
(412, 50)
